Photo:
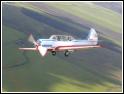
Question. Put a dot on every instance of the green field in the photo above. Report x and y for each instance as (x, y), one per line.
(94, 70)
(98, 15)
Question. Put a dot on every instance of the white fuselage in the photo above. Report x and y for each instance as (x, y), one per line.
(62, 45)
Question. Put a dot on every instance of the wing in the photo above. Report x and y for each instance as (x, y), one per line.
(28, 49)
(42, 50)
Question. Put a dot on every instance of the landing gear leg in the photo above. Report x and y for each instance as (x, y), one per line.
(53, 53)
(67, 53)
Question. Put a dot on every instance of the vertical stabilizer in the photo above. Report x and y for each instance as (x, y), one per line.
(92, 36)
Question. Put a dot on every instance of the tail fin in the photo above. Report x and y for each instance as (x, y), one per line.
(92, 36)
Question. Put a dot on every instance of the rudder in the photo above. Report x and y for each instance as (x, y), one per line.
(92, 36)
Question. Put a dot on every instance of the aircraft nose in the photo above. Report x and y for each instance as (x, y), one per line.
(39, 42)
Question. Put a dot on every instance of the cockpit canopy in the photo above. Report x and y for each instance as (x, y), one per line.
(61, 37)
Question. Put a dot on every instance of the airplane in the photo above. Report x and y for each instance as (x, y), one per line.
(64, 43)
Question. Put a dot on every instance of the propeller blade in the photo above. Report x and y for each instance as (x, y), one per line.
(42, 50)
(32, 40)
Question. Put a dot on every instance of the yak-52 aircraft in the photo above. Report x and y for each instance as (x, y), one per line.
(63, 43)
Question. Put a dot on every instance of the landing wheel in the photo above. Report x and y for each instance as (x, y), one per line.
(53, 53)
(67, 53)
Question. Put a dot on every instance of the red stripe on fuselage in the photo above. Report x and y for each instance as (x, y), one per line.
(76, 47)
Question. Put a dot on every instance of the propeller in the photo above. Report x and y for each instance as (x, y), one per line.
(42, 50)
(32, 40)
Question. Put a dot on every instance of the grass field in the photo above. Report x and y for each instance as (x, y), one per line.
(98, 15)
(94, 70)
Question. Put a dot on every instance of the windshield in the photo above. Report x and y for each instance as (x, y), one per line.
(62, 37)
